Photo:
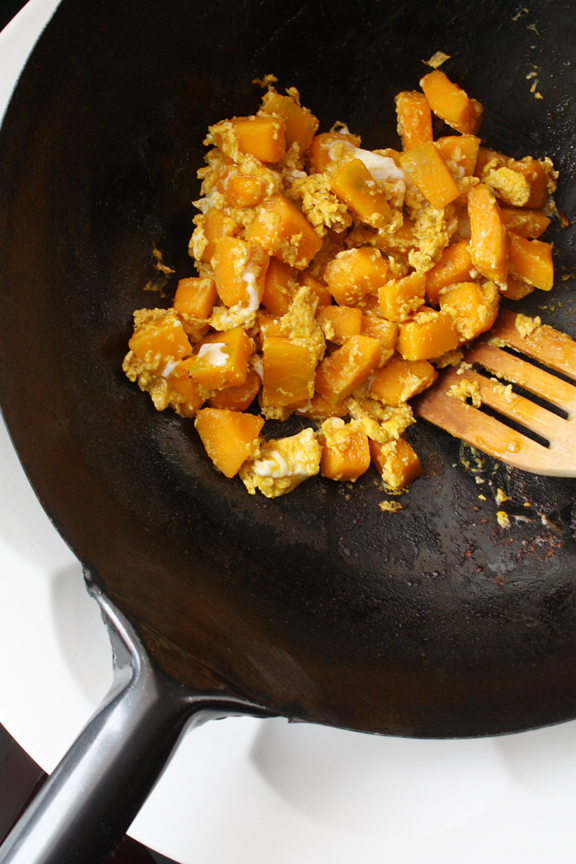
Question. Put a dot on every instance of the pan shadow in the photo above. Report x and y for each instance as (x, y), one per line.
(81, 634)
(23, 523)
(542, 760)
(366, 784)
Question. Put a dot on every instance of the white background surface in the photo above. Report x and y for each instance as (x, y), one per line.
(261, 792)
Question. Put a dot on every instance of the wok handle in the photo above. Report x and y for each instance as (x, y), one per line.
(87, 804)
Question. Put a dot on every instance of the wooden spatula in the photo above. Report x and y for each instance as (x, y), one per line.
(556, 455)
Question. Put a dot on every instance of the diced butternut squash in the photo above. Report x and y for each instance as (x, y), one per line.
(282, 230)
(340, 322)
(240, 272)
(524, 222)
(460, 153)
(195, 298)
(397, 462)
(216, 226)
(347, 368)
(401, 379)
(451, 103)
(454, 265)
(318, 287)
(531, 260)
(222, 359)
(380, 328)
(160, 341)
(186, 397)
(485, 155)
(289, 371)
(358, 189)
(516, 289)
(385, 331)
(261, 137)
(229, 437)
(237, 398)
(354, 273)
(488, 240)
(429, 173)
(538, 176)
(398, 298)
(279, 287)
(300, 124)
(318, 408)
(320, 152)
(414, 119)
(402, 240)
(473, 307)
(271, 326)
(427, 336)
(241, 190)
(345, 450)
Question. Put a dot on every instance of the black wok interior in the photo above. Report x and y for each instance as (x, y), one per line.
(430, 622)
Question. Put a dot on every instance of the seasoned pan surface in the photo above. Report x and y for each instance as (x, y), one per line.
(430, 622)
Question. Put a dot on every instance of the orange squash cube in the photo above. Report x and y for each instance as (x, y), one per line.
(282, 230)
(516, 289)
(216, 226)
(161, 341)
(228, 437)
(358, 189)
(318, 408)
(347, 368)
(185, 396)
(299, 123)
(414, 119)
(451, 103)
(240, 272)
(240, 397)
(460, 153)
(398, 298)
(345, 450)
(380, 328)
(531, 260)
(241, 190)
(279, 287)
(427, 336)
(454, 265)
(401, 379)
(340, 322)
(354, 273)
(289, 371)
(271, 326)
(473, 307)
(488, 240)
(429, 173)
(320, 153)
(318, 287)
(195, 298)
(222, 359)
(402, 240)
(261, 137)
(535, 173)
(397, 462)
(524, 222)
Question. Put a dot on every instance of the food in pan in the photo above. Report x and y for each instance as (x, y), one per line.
(334, 281)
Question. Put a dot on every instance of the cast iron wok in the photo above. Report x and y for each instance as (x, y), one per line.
(433, 622)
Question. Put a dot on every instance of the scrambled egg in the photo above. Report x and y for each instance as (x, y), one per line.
(282, 464)
(466, 390)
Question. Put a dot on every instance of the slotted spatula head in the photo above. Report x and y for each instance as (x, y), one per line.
(539, 405)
